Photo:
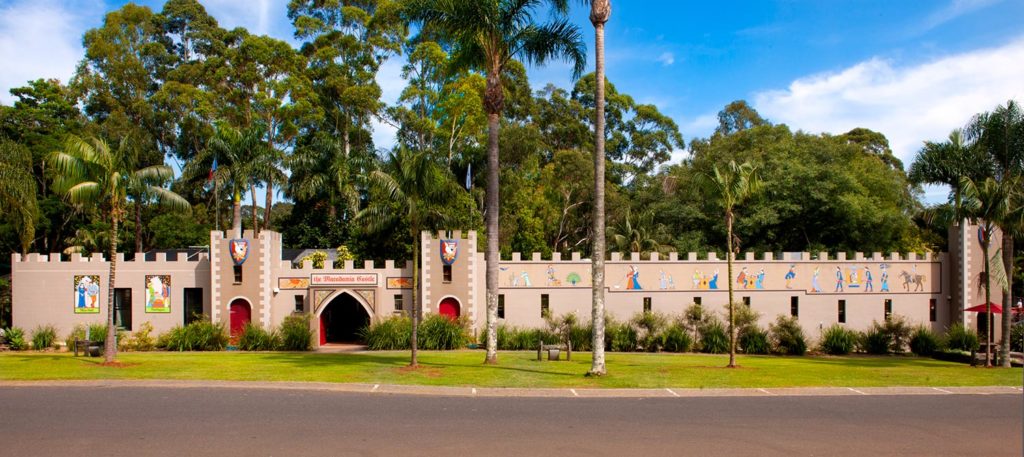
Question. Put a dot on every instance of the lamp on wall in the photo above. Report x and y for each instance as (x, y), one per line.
(277, 291)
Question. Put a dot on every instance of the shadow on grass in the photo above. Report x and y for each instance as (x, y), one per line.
(880, 361)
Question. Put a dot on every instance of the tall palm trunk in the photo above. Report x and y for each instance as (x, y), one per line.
(492, 253)
(269, 202)
(138, 225)
(988, 302)
(414, 340)
(732, 305)
(255, 221)
(236, 207)
(110, 343)
(600, 11)
(1004, 345)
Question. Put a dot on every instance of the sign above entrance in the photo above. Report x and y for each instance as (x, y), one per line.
(343, 279)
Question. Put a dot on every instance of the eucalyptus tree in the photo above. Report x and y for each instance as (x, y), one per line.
(91, 174)
(487, 35)
(18, 197)
(986, 204)
(1000, 135)
(729, 187)
(413, 188)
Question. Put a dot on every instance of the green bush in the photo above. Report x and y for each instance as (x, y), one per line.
(97, 332)
(77, 333)
(620, 336)
(142, 339)
(388, 335)
(787, 336)
(677, 338)
(1017, 337)
(43, 337)
(200, 335)
(961, 338)
(713, 337)
(296, 334)
(438, 332)
(838, 340)
(925, 342)
(754, 340)
(875, 340)
(255, 338)
(582, 337)
(899, 331)
(16, 339)
(650, 330)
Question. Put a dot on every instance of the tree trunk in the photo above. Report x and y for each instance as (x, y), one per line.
(110, 344)
(138, 225)
(732, 305)
(988, 302)
(255, 212)
(413, 341)
(492, 253)
(268, 203)
(236, 223)
(1004, 346)
(598, 366)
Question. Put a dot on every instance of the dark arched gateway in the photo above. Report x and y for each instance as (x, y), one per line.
(342, 319)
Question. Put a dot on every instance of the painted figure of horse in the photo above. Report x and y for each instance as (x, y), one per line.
(916, 280)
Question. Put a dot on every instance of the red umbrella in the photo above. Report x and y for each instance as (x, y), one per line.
(996, 309)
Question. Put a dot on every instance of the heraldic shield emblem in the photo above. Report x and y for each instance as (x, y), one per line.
(449, 251)
(239, 250)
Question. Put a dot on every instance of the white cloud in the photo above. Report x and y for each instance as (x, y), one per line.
(42, 39)
(667, 59)
(909, 104)
(254, 15)
(955, 9)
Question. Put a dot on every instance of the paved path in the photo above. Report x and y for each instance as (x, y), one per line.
(254, 419)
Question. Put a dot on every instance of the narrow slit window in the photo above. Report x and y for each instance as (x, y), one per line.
(300, 303)
(447, 274)
(545, 305)
(932, 310)
(794, 306)
(501, 306)
(888, 308)
(238, 274)
(842, 312)
(647, 304)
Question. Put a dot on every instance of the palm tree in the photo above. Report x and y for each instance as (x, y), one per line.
(635, 234)
(486, 35)
(946, 163)
(413, 189)
(235, 152)
(986, 204)
(1000, 135)
(600, 12)
(89, 173)
(321, 169)
(18, 190)
(730, 187)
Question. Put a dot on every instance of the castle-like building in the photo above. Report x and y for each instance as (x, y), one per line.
(252, 279)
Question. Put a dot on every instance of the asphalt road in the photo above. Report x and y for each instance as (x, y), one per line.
(156, 421)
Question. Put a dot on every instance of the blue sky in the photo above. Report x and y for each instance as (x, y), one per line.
(912, 70)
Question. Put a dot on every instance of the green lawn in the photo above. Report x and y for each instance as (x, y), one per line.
(516, 369)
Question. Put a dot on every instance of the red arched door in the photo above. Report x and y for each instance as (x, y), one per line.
(241, 314)
(449, 307)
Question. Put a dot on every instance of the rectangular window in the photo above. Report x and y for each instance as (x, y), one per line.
(238, 274)
(501, 306)
(932, 310)
(447, 274)
(123, 308)
(794, 306)
(888, 308)
(545, 308)
(696, 300)
(300, 303)
(842, 312)
(193, 304)
(399, 302)
(647, 304)
(746, 301)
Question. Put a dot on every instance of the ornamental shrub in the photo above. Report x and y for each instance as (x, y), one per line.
(899, 331)
(200, 335)
(787, 336)
(389, 334)
(838, 340)
(677, 338)
(296, 334)
(620, 336)
(961, 338)
(142, 339)
(43, 337)
(16, 339)
(713, 338)
(1017, 337)
(924, 342)
(875, 340)
(754, 340)
(255, 338)
(439, 332)
(650, 329)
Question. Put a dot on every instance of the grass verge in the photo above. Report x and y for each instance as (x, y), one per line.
(515, 369)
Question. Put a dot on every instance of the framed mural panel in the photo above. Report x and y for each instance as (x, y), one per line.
(158, 293)
(399, 283)
(87, 294)
(292, 283)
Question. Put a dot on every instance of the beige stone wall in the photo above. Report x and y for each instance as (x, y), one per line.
(43, 289)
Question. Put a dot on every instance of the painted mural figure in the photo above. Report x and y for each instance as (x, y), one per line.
(157, 294)
(552, 280)
(885, 278)
(526, 279)
(868, 279)
(839, 279)
(760, 279)
(853, 277)
(741, 279)
(662, 280)
(790, 276)
(633, 278)
(713, 283)
(697, 279)
(82, 288)
(814, 280)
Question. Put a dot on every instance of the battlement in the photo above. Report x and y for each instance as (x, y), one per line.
(692, 257)
(183, 257)
(349, 265)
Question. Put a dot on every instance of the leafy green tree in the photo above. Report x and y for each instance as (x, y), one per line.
(235, 152)
(729, 187)
(18, 197)
(636, 234)
(415, 188)
(91, 173)
(486, 35)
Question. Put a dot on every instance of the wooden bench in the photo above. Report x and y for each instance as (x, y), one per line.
(553, 350)
(84, 345)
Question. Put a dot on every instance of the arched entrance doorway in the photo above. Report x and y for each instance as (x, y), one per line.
(342, 319)
(450, 308)
(241, 314)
